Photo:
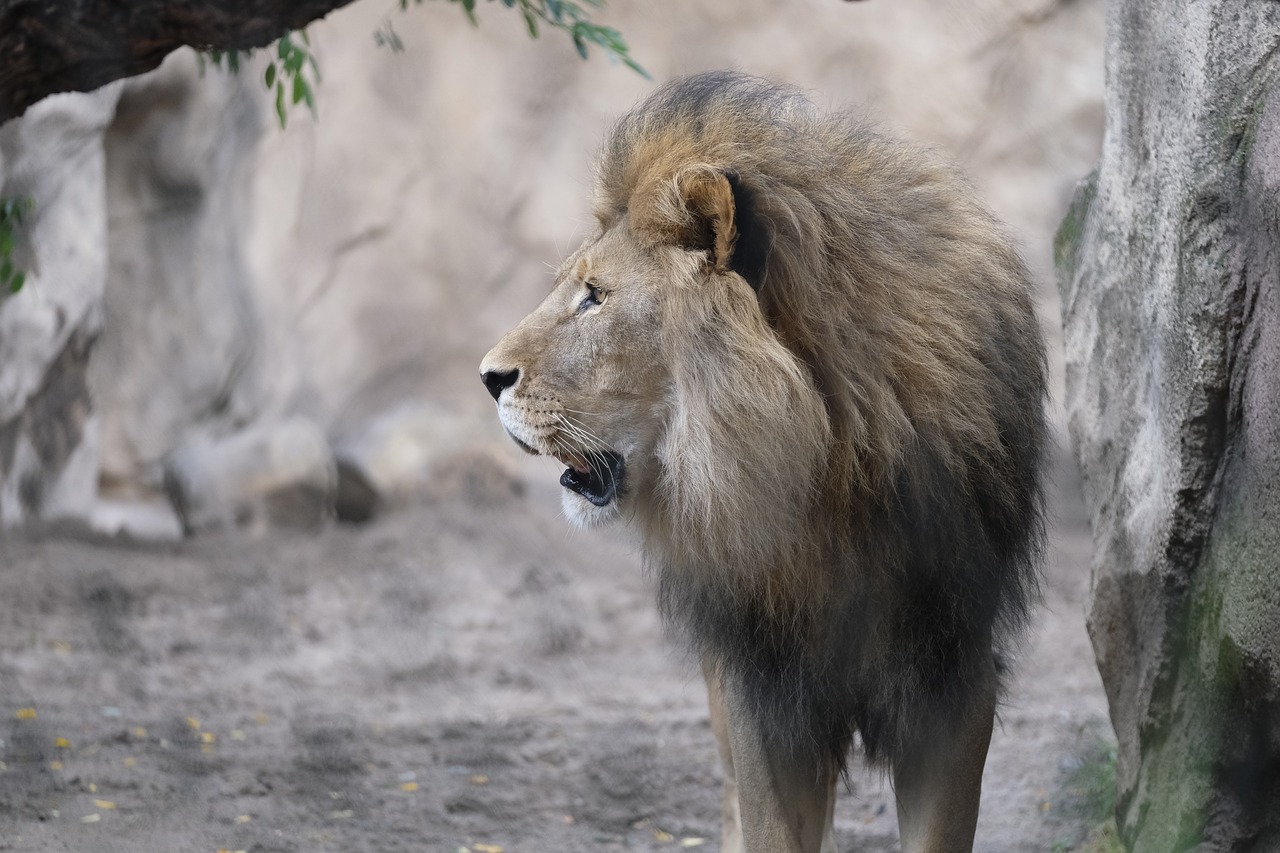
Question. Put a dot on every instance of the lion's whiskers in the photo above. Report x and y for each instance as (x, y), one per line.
(590, 441)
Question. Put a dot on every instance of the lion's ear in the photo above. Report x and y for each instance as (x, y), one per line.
(750, 257)
(721, 219)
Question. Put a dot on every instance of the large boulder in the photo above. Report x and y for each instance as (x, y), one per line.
(138, 332)
(53, 157)
(279, 473)
(1170, 276)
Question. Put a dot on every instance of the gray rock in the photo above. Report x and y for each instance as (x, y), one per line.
(148, 521)
(1170, 277)
(415, 449)
(180, 351)
(281, 473)
(53, 156)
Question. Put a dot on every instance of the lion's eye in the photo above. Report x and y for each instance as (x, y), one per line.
(593, 297)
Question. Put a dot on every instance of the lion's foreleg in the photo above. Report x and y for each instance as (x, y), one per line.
(771, 804)
(938, 781)
(730, 819)
(829, 831)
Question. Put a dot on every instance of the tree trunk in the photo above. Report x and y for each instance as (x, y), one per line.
(1169, 263)
(79, 45)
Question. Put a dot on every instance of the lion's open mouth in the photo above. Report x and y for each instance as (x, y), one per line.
(596, 476)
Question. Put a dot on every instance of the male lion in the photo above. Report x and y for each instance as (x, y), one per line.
(802, 360)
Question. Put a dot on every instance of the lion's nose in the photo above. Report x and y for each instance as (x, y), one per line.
(497, 380)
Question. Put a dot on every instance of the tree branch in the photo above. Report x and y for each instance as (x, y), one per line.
(49, 46)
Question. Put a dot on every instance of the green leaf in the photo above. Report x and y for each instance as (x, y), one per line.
(280, 113)
(636, 67)
(284, 47)
(12, 212)
(271, 75)
(14, 209)
(611, 38)
(568, 16)
(299, 89)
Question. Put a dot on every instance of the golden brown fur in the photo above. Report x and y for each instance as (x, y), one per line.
(804, 362)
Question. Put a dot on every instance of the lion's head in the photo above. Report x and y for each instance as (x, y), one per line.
(651, 372)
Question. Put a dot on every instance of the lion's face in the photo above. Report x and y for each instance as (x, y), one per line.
(652, 373)
(582, 378)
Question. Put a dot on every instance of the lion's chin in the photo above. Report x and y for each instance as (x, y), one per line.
(580, 512)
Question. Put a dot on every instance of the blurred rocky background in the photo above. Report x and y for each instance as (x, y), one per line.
(227, 324)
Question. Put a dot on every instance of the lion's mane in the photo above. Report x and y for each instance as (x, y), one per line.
(850, 510)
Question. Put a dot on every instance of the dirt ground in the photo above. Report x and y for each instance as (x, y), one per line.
(465, 673)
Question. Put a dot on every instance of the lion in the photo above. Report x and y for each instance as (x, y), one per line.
(802, 361)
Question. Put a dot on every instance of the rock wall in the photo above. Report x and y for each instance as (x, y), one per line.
(1170, 276)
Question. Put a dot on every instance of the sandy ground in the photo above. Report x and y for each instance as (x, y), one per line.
(464, 674)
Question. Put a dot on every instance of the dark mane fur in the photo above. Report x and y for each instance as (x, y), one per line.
(879, 603)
